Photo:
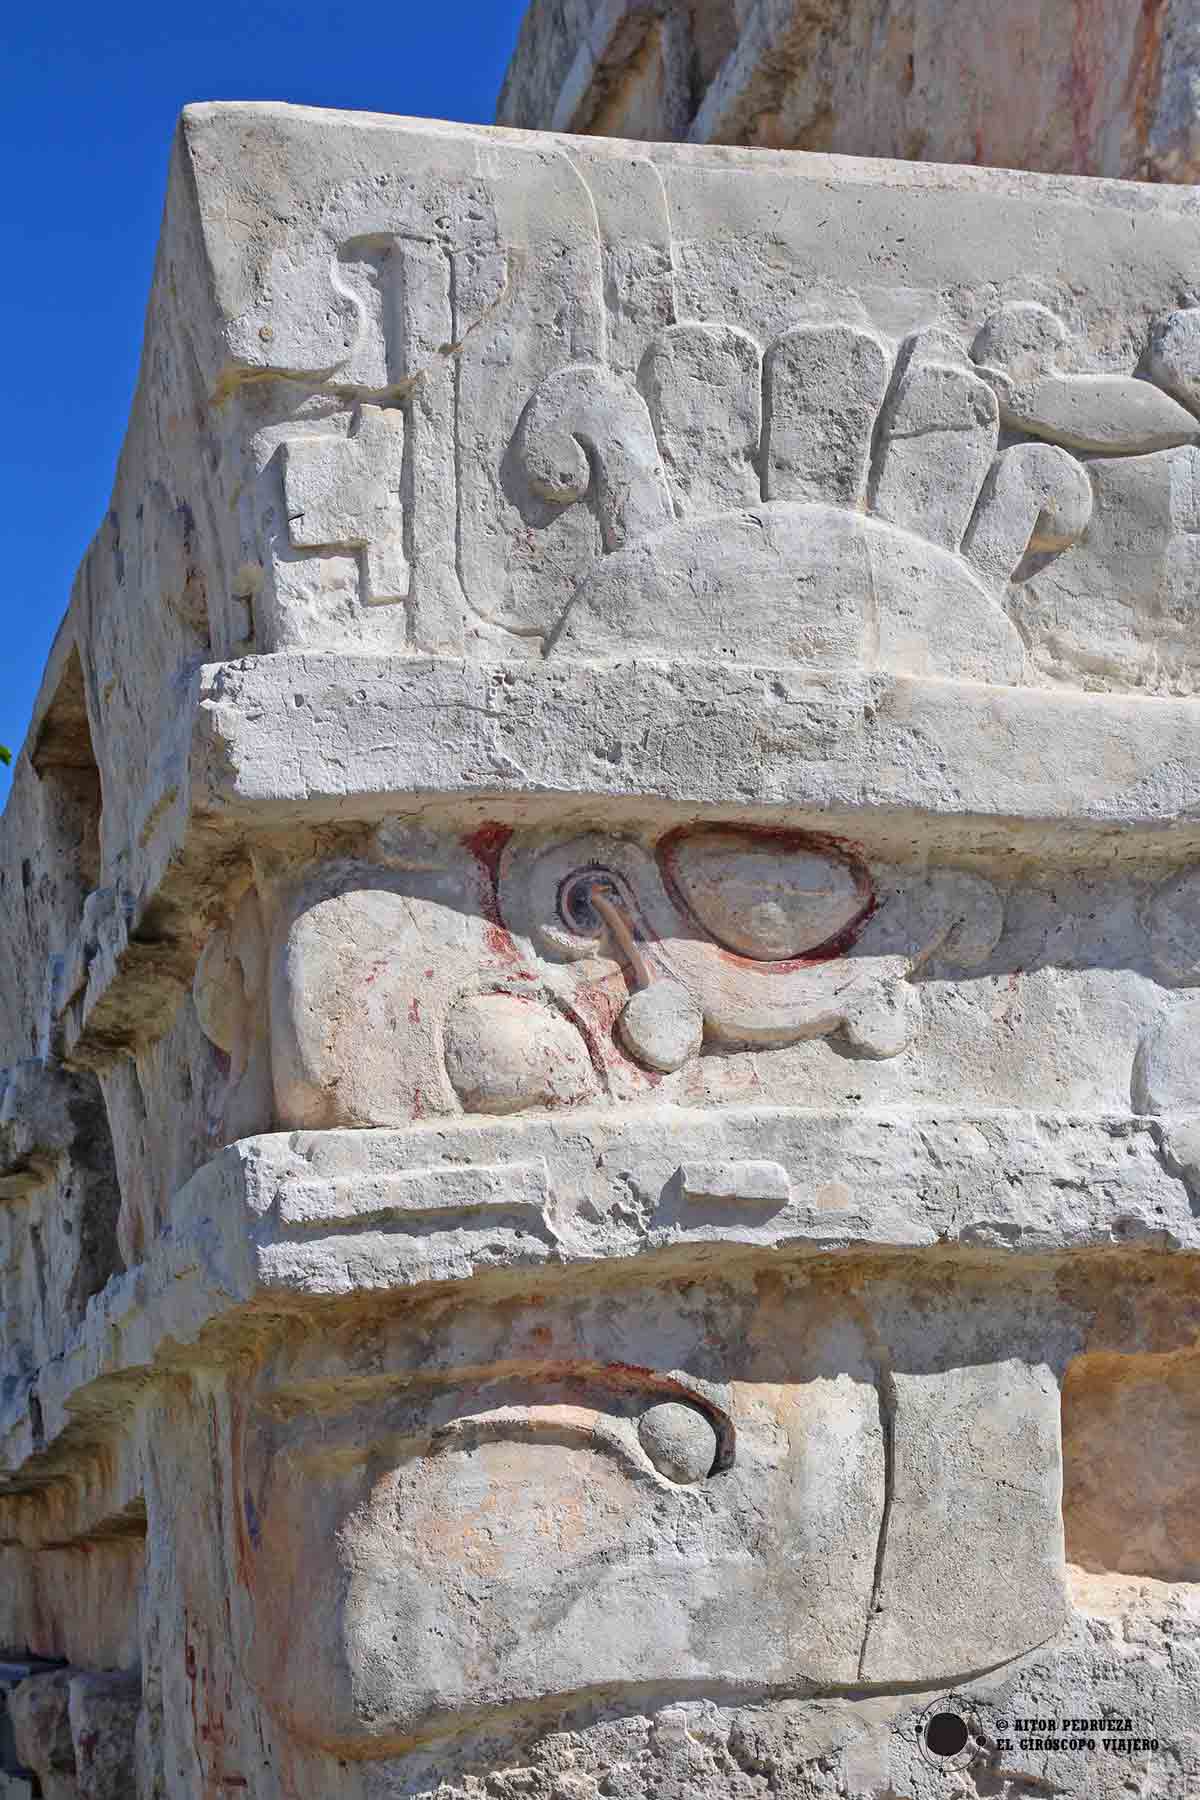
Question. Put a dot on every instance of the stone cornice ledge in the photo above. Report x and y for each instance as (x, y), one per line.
(278, 1225)
(327, 736)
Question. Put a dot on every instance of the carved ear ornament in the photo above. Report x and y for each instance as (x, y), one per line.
(744, 936)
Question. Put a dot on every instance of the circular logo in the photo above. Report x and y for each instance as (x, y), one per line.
(948, 1733)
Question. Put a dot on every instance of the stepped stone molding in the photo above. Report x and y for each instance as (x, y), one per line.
(600, 1138)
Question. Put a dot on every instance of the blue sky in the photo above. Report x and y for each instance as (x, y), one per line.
(90, 102)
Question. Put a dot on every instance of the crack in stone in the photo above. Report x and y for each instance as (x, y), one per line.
(886, 1390)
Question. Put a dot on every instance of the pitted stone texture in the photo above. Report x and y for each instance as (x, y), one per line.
(710, 456)
(679, 1441)
(76, 1731)
(347, 491)
(505, 1053)
(1132, 1472)
(1173, 913)
(825, 386)
(1165, 1078)
(956, 1507)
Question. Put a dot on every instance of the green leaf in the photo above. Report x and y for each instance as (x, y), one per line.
(5, 754)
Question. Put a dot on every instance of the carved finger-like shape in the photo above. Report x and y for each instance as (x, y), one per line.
(1036, 497)
(586, 430)
(703, 385)
(824, 385)
(1019, 350)
(939, 438)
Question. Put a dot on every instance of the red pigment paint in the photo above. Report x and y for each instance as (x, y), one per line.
(1083, 81)
(595, 1012)
(486, 845)
(500, 943)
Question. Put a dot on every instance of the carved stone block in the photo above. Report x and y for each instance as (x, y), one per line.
(601, 1154)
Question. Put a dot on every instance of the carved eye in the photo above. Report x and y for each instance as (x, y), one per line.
(767, 900)
(679, 1441)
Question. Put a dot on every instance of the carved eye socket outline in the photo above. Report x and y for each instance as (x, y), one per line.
(570, 1403)
(637, 1440)
(828, 854)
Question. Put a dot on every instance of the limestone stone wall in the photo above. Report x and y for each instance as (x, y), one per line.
(1084, 87)
(600, 1131)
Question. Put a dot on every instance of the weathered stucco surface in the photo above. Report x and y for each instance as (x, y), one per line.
(1082, 87)
(600, 1138)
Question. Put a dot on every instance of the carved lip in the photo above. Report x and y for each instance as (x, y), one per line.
(770, 898)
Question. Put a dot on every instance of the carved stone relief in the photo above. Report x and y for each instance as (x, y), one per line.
(649, 1073)
(503, 1539)
(517, 970)
(821, 577)
(963, 495)
(347, 491)
(928, 504)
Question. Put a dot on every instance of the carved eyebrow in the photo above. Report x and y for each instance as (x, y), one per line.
(339, 1397)
(322, 1434)
(569, 1426)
